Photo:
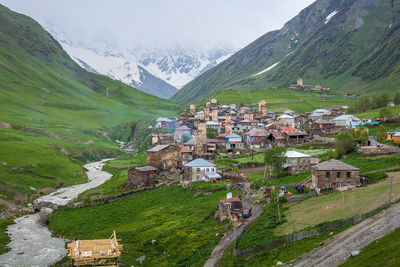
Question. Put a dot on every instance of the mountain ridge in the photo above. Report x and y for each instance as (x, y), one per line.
(158, 71)
(324, 45)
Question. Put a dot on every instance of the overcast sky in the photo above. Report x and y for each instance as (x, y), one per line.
(195, 23)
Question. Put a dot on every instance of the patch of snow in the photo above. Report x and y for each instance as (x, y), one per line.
(267, 69)
(272, 66)
(330, 16)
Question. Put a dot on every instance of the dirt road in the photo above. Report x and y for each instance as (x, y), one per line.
(219, 250)
(338, 248)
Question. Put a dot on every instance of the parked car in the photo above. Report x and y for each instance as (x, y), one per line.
(246, 213)
(240, 185)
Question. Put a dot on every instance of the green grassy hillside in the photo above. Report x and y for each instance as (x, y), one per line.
(357, 50)
(282, 99)
(54, 115)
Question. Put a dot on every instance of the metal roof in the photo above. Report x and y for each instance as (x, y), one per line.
(199, 163)
(295, 154)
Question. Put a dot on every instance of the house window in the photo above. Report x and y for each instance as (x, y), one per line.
(348, 174)
(212, 169)
(207, 169)
(338, 174)
(198, 177)
(198, 170)
(338, 184)
(328, 174)
(328, 185)
(348, 183)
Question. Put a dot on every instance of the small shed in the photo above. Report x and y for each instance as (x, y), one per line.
(230, 208)
(142, 176)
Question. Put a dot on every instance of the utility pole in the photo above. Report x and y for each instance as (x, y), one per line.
(234, 235)
(294, 240)
(390, 192)
(342, 204)
(279, 212)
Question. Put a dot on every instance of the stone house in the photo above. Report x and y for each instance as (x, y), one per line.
(334, 174)
(325, 125)
(189, 144)
(186, 154)
(301, 119)
(233, 141)
(298, 162)
(166, 158)
(162, 138)
(142, 176)
(200, 170)
(396, 138)
(390, 104)
(230, 208)
(346, 120)
(286, 119)
(295, 137)
(257, 137)
(277, 138)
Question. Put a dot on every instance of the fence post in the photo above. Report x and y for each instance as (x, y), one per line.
(294, 240)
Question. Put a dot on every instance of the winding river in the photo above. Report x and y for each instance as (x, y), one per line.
(31, 243)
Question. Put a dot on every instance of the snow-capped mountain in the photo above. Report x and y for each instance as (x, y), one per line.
(158, 71)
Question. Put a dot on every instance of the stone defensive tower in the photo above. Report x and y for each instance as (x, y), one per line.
(192, 109)
(300, 81)
(262, 108)
(228, 124)
(214, 115)
(200, 138)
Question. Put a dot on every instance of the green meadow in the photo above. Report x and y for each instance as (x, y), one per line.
(170, 225)
(282, 99)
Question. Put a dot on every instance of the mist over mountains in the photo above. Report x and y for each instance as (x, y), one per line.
(160, 71)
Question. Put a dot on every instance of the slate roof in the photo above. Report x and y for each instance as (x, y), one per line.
(189, 143)
(278, 135)
(334, 165)
(157, 148)
(146, 168)
(199, 163)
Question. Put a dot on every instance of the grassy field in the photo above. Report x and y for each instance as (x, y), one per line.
(290, 179)
(369, 164)
(382, 252)
(315, 210)
(119, 169)
(180, 220)
(282, 253)
(375, 113)
(282, 99)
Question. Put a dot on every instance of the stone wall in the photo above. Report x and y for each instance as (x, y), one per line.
(165, 160)
(322, 178)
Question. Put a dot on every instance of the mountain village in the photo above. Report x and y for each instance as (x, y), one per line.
(185, 148)
(181, 136)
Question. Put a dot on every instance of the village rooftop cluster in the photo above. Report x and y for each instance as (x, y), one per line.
(184, 147)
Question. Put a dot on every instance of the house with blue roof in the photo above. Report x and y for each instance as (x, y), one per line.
(200, 170)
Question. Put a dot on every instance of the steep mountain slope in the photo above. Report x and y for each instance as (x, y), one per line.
(54, 115)
(154, 70)
(327, 43)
